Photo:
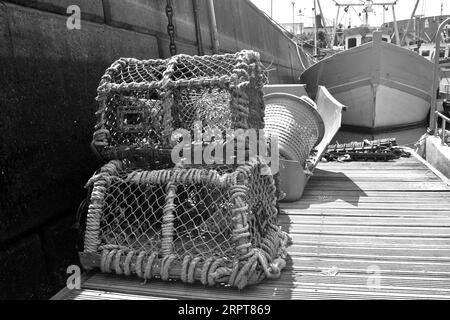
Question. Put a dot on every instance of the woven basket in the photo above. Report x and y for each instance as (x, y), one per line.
(296, 122)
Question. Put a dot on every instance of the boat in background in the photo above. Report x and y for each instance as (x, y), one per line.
(385, 86)
(428, 50)
(355, 37)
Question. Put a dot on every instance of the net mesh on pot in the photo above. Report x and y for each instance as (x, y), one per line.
(142, 102)
(216, 224)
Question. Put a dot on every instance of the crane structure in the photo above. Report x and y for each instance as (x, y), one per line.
(367, 8)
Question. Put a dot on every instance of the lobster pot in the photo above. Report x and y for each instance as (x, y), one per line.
(216, 225)
(297, 124)
(142, 102)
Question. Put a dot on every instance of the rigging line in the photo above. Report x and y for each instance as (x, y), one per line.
(300, 57)
(342, 18)
(358, 15)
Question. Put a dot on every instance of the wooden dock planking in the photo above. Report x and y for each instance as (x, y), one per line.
(354, 217)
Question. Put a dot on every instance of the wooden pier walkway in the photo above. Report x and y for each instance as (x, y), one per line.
(363, 230)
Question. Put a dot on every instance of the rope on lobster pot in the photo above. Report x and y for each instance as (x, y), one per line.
(185, 268)
(165, 266)
(191, 271)
(139, 261)
(127, 263)
(148, 267)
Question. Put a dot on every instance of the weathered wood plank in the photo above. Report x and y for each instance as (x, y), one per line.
(367, 250)
(86, 294)
(375, 241)
(431, 206)
(352, 265)
(411, 232)
(367, 212)
(369, 173)
(376, 180)
(379, 193)
(294, 287)
(298, 221)
(383, 185)
(290, 286)
(314, 199)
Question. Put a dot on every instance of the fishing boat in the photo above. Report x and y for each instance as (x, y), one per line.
(420, 41)
(385, 86)
(354, 37)
(428, 49)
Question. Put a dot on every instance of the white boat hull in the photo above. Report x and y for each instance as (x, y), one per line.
(382, 107)
(383, 85)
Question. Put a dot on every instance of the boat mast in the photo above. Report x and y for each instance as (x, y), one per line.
(409, 22)
(322, 16)
(436, 69)
(315, 29)
(397, 36)
(293, 18)
(336, 24)
(366, 17)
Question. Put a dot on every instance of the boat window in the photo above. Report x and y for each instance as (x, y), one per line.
(351, 42)
(385, 39)
(425, 53)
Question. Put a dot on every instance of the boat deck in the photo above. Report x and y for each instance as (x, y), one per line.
(363, 230)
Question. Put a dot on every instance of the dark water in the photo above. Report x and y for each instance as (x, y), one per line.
(406, 137)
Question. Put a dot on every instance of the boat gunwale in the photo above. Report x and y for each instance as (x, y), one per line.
(368, 46)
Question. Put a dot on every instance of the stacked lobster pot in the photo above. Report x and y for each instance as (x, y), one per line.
(155, 215)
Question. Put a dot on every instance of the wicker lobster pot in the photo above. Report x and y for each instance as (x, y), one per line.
(142, 102)
(216, 225)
